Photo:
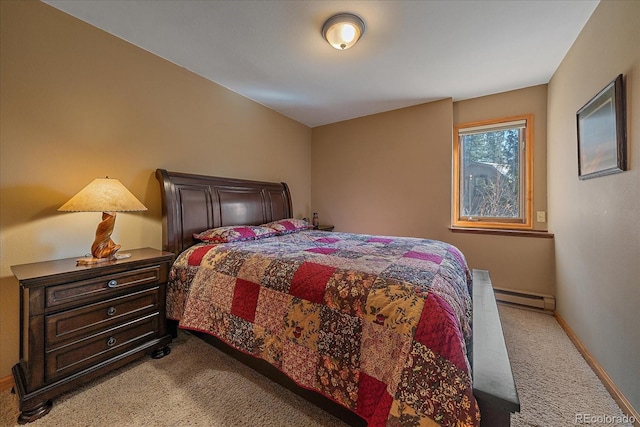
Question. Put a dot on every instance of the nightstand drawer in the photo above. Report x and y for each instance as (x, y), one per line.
(77, 323)
(99, 287)
(93, 350)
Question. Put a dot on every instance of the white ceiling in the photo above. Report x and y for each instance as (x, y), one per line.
(412, 51)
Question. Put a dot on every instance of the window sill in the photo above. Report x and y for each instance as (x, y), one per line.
(501, 232)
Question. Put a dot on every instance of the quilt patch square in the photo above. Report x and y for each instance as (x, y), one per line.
(300, 364)
(195, 258)
(421, 387)
(221, 289)
(436, 259)
(338, 380)
(347, 291)
(202, 292)
(310, 281)
(231, 262)
(245, 299)
(212, 320)
(253, 268)
(455, 298)
(420, 278)
(197, 314)
(323, 251)
(418, 264)
(240, 334)
(401, 414)
(217, 322)
(373, 400)
(302, 323)
(272, 309)
(459, 257)
(437, 322)
(279, 274)
(336, 262)
(383, 354)
(349, 254)
(268, 346)
(340, 336)
(395, 306)
(180, 280)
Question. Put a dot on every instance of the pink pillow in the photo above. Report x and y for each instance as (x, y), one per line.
(234, 233)
(286, 226)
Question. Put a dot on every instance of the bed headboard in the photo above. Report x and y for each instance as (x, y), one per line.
(194, 203)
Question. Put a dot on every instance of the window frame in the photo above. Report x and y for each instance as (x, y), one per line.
(526, 191)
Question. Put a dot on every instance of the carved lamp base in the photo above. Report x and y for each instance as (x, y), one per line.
(103, 248)
(92, 261)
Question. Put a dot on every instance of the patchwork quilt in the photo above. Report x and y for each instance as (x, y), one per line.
(378, 324)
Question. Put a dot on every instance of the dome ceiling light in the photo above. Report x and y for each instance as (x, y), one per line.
(343, 30)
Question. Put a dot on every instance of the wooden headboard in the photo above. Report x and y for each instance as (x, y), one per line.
(194, 203)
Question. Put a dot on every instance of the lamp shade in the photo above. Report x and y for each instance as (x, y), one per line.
(103, 195)
(342, 31)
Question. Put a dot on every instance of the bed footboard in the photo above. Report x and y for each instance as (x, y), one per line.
(493, 383)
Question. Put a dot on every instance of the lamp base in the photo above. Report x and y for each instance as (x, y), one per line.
(92, 260)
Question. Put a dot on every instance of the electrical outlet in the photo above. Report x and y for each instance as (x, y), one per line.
(541, 216)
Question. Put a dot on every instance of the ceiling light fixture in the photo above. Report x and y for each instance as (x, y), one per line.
(343, 30)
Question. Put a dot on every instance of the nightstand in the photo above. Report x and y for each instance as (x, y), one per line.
(325, 227)
(80, 322)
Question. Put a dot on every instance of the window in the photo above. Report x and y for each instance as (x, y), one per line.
(492, 178)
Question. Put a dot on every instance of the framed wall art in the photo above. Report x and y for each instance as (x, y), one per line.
(602, 133)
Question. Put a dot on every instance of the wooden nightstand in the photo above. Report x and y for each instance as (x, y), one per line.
(325, 227)
(80, 322)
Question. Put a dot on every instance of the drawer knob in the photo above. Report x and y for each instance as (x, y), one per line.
(111, 311)
(112, 283)
(111, 341)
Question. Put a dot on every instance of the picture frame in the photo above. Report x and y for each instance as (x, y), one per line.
(602, 133)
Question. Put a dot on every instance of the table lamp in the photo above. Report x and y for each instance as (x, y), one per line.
(106, 195)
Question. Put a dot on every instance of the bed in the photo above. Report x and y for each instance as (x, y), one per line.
(377, 330)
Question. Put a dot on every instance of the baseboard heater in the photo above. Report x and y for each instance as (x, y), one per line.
(532, 300)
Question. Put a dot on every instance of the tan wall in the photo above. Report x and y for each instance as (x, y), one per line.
(596, 221)
(387, 173)
(523, 263)
(78, 103)
(390, 173)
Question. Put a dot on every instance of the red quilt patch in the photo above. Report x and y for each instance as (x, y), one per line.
(437, 322)
(245, 299)
(373, 400)
(196, 256)
(310, 280)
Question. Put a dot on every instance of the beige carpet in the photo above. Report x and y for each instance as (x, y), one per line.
(197, 385)
(554, 382)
